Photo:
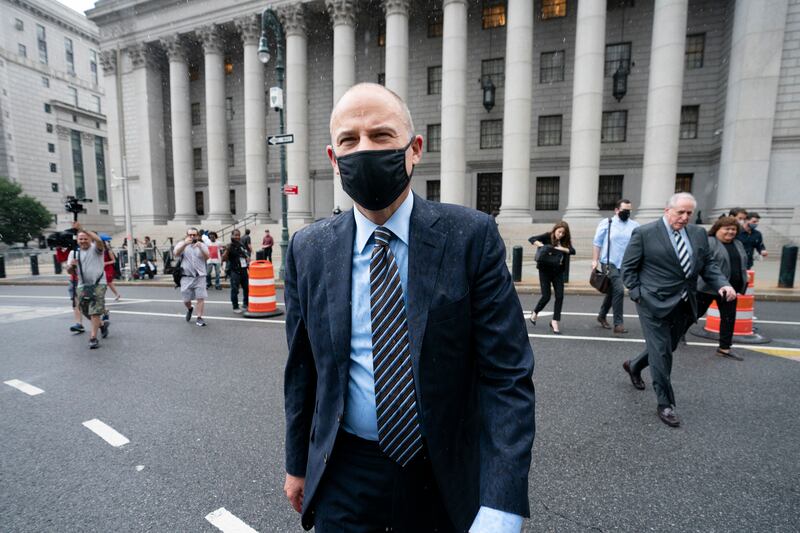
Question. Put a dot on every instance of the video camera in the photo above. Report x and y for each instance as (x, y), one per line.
(62, 239)
(73, 205)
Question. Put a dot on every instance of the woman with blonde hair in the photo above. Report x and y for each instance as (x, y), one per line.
(552, 256)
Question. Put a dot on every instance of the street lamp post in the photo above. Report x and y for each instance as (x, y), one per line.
(270, 20)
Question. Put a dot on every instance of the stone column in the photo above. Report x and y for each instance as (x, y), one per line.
(181, 120)
(753, 75)
(454, 103)
(219, 212)
(587, 111)
(664, 93)
(343, 17)
(397, 46)
(255, 143)
(108, 60)
(517, 113)
(149, 202)
(294, 26)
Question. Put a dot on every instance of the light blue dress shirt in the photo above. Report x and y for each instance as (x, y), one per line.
(620, 237)
(360, 416)
(684, 234)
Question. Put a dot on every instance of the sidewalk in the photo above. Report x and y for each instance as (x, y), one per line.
(766, 281)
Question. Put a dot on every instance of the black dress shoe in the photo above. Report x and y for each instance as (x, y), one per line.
(604, 323)
(729, 355)
(669, 417)
(636, 379)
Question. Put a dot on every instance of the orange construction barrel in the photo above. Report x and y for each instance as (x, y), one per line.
(743, 331)
(261, 300)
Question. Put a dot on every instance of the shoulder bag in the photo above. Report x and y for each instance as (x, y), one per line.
(599, 277)
(547, 257)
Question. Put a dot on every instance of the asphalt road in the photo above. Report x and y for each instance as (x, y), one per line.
(203, 412)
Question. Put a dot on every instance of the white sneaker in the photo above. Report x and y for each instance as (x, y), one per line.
(238, 311)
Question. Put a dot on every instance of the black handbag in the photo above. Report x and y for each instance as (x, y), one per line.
(548, 257)
(599, 278)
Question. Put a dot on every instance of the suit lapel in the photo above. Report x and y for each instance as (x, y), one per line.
(338, 266)
(426, 246)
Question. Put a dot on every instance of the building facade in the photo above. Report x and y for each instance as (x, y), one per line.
(592, 101)
(52, 114)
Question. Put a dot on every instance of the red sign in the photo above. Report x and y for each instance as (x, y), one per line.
(289, 189)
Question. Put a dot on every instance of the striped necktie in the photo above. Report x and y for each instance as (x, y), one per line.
(683, 257)
(399, 434)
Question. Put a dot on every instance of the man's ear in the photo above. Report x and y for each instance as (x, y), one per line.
(416, 148)
(332, 159)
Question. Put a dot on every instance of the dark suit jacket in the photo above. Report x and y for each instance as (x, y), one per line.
(471, 357)
(653, 275)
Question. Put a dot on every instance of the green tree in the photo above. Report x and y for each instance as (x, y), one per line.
(22, 218)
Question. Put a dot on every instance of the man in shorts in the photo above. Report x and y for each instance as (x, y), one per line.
(87, 263)
(62, 256)
(193, 254)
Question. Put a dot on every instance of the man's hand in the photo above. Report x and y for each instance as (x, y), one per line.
(293, 488)
(728, 293)
(594, 264)
(764, 253)
(187, 240)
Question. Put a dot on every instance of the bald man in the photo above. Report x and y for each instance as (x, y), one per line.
(408, 392)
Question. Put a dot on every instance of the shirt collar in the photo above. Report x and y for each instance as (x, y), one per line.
(398, 224)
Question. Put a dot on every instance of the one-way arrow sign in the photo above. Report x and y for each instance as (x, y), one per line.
(280, 139)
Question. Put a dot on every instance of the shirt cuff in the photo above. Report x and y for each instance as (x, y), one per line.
(490, 520)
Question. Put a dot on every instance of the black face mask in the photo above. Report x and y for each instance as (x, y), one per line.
(624, 215)
(374, 178)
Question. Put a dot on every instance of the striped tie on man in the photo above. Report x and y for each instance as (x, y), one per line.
(683, 257)
(399, 434)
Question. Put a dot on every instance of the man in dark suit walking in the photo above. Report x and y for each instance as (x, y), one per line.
(408, 392)
(660, 269)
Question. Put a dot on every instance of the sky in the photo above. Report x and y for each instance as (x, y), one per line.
(78, 5)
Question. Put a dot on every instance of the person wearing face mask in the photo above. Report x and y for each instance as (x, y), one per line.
(408, 393)
(610, 241)
(661, 268)
(751, 238)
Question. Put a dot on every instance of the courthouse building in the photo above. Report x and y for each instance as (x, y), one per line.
(53, 136)
(535, 109)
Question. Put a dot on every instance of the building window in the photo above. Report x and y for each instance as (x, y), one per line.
(609, 192)
(433, 190)
(551, 66)
(45, 82)
(617, 55)
(435, 80)
(73, 96)
(51, 147)
(77, 164)
(197, 157)
(554, 9)
(228, 67)
(47, 108)
(690, 115)
(615, 126)
(381, 35)
(70, 55)
(53, 167)
(683, 182)
(494, 14)
(198, 203)
(54, 187)
(434, 138)
(100, 165)
(230, 155)
(74, 118)
(436, 23)
(232, 200)
(95, 103)
(492, 133)
(381, 78)
(196, 114)
(550, 130)
(49, 128)
(495, 69)
(41, 42)
(229, 108)
(93, 65)
(547, 188)
(695, 49)
(19, 25)
(22, 50)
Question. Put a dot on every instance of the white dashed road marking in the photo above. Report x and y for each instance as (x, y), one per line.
(223, 520)
(106, 432)
(28, 389)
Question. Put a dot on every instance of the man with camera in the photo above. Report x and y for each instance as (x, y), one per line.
(193, 254)
(237, 256)
(87, 263)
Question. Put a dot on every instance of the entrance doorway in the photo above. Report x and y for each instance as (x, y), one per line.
(490, 192)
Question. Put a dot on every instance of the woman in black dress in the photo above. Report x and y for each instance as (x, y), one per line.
(552, 255)
(730, 255)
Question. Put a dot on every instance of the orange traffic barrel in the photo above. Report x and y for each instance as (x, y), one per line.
(261, 300)
(743, 331)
